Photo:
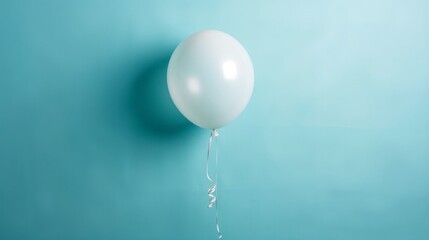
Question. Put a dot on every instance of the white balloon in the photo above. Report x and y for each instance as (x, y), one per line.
(210, 78)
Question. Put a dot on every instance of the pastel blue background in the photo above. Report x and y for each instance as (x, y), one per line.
(333, 145)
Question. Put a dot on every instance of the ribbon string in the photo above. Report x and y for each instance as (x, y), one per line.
(212, 190)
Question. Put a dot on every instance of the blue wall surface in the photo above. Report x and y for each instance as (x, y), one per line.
(333, 145)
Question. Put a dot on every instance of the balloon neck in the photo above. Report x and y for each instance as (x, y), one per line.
(215, 133)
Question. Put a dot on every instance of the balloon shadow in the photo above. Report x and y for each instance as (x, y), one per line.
(154, 109)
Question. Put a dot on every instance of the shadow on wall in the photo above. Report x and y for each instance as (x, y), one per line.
(154, 109)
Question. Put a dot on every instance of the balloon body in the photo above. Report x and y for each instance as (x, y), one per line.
(210, 78)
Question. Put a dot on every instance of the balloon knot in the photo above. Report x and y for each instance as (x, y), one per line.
(215, 133)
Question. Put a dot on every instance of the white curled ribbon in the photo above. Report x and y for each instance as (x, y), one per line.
(212, 191)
